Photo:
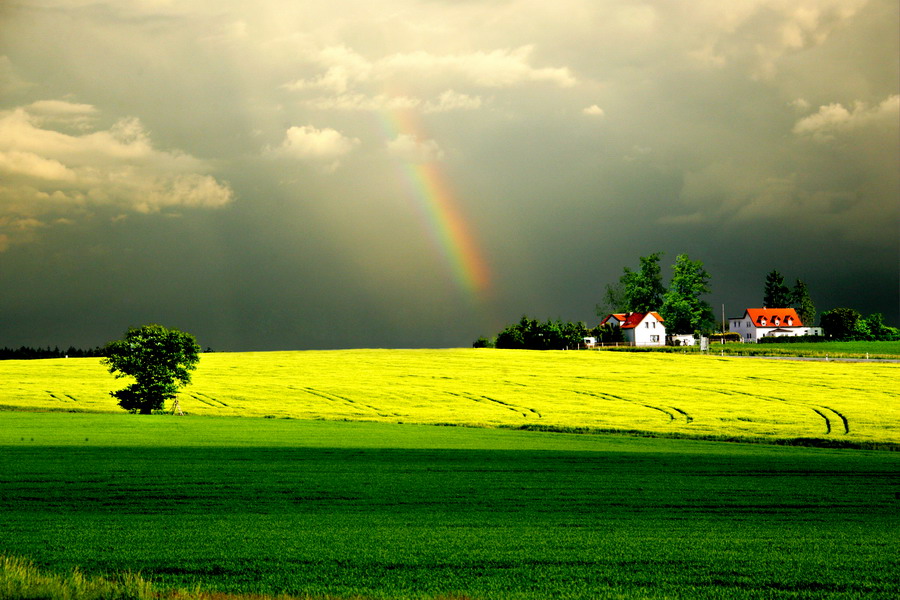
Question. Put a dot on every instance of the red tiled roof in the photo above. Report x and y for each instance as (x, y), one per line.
(630, 320)
(617, 316)
(771, 314)
(635, 319)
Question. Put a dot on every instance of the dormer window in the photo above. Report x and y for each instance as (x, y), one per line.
(777, 321)
(762, 321)
(790, 321)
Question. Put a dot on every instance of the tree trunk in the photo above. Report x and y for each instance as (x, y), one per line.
(146, 410)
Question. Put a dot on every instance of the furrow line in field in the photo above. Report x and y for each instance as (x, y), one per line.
(199, 398)
(815, 409)
(522, 410)
(843, 419)
(827, 420)
(57, 398)
(613, 398)
(342, 399)
(662, 410)
(819, 410)
(686, 416)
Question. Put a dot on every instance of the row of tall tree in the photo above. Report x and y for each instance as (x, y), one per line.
(778, 295)
(28, 353)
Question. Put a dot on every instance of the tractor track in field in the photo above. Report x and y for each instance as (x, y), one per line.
(331, 397)
(522, 410)
(208, 400)
(819, 409)
(671, 412)
(67, 397)
(822, 411)
(844, 422)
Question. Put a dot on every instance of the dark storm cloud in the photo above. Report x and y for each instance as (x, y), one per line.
(244, 173)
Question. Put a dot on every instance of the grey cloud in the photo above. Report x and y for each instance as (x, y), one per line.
(572, 137)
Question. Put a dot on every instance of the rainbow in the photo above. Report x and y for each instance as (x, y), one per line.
(435, 201)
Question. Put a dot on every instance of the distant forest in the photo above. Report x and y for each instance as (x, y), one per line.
(25, 353)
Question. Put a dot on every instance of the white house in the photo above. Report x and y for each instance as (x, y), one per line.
(639, 329)
(756, 323)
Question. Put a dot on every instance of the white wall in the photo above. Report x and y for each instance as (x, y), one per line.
(649, 332)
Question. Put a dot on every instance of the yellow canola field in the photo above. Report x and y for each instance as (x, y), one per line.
(666, 393)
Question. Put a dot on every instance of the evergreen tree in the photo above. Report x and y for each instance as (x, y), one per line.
(806, 310)
(777, 294)
(683, 309)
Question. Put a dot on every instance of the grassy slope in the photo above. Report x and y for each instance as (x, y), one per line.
(401, 511)
(660, 393)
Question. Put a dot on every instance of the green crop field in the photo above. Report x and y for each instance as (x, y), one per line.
(380, 510)
(349, 492)
(675, 394)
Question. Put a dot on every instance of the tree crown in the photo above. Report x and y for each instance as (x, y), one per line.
(159, 359)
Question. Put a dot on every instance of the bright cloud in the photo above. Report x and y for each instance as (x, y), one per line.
(408, 148)
(497, 68)
(348, 79)
(307, 142)
(594, 111)
(832, 119)
(49, 175)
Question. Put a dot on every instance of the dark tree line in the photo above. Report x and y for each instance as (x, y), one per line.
(27, 353)
(846, 324)
(532, 334)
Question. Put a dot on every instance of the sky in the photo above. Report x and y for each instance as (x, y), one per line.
(290, 174)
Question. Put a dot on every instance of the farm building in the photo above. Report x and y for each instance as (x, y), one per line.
(639, 329)
(756, 323)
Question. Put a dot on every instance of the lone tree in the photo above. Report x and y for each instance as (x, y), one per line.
(159, 359)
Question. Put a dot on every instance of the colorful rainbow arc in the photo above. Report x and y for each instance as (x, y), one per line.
(435, 200)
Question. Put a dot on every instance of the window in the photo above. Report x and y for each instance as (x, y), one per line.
(654, 338)
(748, 336)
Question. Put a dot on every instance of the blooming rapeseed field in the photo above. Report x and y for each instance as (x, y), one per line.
(658, 393)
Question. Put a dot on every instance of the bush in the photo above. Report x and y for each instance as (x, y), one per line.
(532, 334)
(730, 336)
(484, 342)
(790, 339)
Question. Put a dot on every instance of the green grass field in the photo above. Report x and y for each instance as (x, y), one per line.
(378, 510)
(836, 350)
(658, 393)
(349, 492)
